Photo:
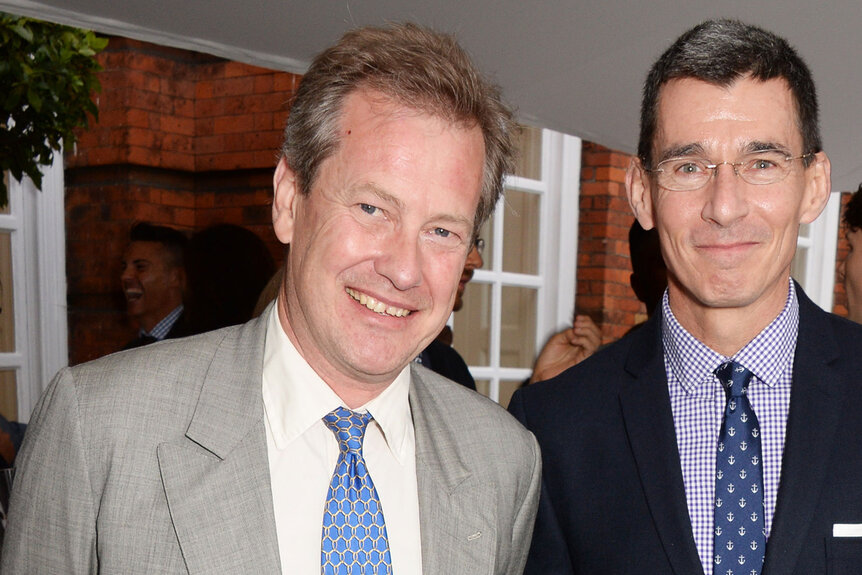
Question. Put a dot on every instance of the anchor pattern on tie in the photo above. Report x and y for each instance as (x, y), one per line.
(740, 540)
(354, 538)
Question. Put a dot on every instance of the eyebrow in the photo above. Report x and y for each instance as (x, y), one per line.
(382, 195)
(695, 149)
(387, 197)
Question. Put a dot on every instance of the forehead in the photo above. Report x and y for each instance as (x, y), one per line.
(726, 118)
(148, 251)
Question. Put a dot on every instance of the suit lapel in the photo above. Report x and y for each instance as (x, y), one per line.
(649, 424)
(457, 511)
(217, 483)
(815, 411)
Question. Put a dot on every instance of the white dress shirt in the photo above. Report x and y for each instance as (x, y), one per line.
(303, 452)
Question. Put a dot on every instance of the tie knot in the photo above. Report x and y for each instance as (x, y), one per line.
(734, 378)
(348, 427)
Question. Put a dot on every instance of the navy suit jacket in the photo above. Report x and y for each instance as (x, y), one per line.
(613, 499)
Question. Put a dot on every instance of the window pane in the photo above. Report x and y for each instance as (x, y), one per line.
(7, 313)
(8, 395)
(472, 325)
(529, 144)
(521, 239)
(518, 327)
(507, 389)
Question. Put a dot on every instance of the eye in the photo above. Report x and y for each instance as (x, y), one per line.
(369, 209)
(442, 232)
(762, 164)
(687, 167)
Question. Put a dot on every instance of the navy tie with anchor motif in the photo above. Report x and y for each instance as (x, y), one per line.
(740, 540)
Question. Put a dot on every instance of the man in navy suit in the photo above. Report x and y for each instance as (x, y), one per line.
(729, 166)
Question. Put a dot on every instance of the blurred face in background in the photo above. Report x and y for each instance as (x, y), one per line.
(851, 270)
(152, 286)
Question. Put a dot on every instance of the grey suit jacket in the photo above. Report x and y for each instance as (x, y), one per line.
(155, 461)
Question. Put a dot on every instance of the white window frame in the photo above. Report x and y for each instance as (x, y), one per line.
(38, 237)
(819, 250)
(555, 282)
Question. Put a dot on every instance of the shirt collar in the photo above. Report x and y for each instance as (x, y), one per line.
(161, 329)
(295, 397)
(766, 356)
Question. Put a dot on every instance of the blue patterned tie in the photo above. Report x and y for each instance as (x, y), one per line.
(354, 534)
(740, 540)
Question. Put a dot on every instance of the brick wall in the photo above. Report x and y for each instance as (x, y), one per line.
(183, 139)
(604, 266)
(839, 303)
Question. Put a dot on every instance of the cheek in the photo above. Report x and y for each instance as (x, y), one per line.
(444, 273)
(852, 267)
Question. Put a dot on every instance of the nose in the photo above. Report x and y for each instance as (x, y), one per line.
(126, 274)
(726, 200)
(400, 261)
(474, 259)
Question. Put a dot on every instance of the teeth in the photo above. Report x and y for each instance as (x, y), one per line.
(377, 306)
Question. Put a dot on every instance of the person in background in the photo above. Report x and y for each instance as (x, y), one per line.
(153, 280)
(648, 280)
(227, 267)
(723, 435)
(11, 435)
(307, 440)
(850, 270)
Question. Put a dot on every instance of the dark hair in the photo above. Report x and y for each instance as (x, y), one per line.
(853, 211)
(720, 52)
(174, 241)
(644, 248)
(227, 266)
(415, 66)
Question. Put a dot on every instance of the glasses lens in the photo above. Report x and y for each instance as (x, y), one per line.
(683, 174)
(765, 168)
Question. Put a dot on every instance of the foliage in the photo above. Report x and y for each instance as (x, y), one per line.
(47, 76)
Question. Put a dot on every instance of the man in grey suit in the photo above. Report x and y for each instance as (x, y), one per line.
(211, 455)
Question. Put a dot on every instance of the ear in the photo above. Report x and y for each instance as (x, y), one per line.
(285, 193)
(818, 186)
(639, 190)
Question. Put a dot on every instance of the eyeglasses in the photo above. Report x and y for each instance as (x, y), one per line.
(687, 174)
(479, 244)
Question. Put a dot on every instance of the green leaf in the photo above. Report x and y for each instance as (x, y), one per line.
(22, 30)
(48, 73)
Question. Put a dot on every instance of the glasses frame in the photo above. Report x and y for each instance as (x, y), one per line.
(713, 167)
(479, 244)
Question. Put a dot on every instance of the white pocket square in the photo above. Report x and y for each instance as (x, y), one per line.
(847, 530)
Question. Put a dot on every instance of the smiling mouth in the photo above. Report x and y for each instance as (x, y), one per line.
(132, 295)
(377, 306)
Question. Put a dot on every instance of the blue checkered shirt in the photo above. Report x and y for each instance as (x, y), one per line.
(698, 400)
(161, 329)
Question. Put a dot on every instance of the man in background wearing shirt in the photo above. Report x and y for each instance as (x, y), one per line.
(153, 280)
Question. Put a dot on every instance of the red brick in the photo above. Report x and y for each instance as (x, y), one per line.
(233, 124)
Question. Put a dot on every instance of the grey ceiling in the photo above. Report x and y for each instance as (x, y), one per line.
(571, 65)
